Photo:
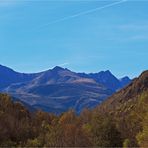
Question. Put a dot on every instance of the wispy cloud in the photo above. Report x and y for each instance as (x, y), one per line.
(63, 64)
(83, 13)
(136, 32)
(136, 27)
(11, 3)
(7, 2)
(139, 37)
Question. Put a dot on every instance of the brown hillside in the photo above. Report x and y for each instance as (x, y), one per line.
(127, 94)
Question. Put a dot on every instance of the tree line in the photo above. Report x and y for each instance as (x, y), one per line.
(19, 127)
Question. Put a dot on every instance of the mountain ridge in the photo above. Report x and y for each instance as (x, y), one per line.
(60, 88)
(120, 121)
(127, 94)
(129, 108)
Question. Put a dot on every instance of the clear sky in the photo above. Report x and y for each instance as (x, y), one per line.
(82, 35)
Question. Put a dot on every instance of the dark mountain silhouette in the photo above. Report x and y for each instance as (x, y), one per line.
(124, 81)
(59, 89)
(107, 79)
(9, 76)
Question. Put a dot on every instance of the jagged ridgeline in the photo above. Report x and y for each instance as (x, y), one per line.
(59, 89)
(122, 120)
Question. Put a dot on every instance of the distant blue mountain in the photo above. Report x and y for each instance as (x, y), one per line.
(108, 79)
(124, 81)
(9, 76)
(59, 89)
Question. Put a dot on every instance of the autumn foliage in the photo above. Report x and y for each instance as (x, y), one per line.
(19, 127)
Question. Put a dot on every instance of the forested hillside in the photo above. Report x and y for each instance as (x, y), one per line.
(129, 109)
(120, 121)
(20, 128)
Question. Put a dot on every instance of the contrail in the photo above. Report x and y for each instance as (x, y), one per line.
(84, 13)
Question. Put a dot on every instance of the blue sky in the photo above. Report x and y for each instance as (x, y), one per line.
(84, 36)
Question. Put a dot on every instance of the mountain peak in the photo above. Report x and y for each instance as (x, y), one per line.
(127, 94)
(125, 78)
(125, 81)
(107, 72)
(58, 68)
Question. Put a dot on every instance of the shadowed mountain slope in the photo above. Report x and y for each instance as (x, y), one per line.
(59, 89)
(127, 94)
(107, 79)
(129, 108)
(9, 76)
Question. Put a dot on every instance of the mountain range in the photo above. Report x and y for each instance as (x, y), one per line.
(119, 121)
(59, 89)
